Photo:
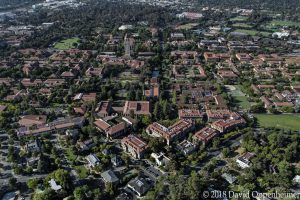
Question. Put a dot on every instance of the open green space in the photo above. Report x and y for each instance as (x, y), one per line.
(288, 121)
(284, 23)
(239, 19)
(239, 97)
(70, 155)
(242, 25)
(242, 101)
(187, 26)
(252, 32)
(67, 43)
(81, 171)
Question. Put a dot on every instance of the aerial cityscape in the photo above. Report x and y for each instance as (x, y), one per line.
(149, 99)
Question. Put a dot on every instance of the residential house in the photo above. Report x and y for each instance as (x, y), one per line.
(116, 161)
(229, 178)
(110, 177)
(139, 185)
(34, 146)
(54, 186)
(186, 147)
(244, 160)
(93, 160)
(160, 158)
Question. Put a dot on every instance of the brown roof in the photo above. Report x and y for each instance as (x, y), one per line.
(135, 142)
(101, 124)
(205, 134)
(116, 128)
(138, 107)
(2, 108)
(30, 120)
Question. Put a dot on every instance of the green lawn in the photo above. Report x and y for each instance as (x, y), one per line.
(252, 32)
(67, 43)
(291, 122)
(187, 26)
(239, 19)
(240, 98)
(242, 101)
(81, 171)
(284, 23)
(70, 155)
(242, 25)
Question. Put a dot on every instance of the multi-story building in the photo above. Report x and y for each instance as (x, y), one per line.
(174, 132)
(134, 145)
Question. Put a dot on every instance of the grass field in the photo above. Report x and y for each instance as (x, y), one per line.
(70, 155)
(242, 25)
(186, 26)
(243, 102)
(240, 98)
(252, 32)
(279, 121)
(239, 19)
(67, 43)
(81, 171)
(284, 23)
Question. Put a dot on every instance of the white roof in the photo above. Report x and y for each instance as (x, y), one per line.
(53, 185)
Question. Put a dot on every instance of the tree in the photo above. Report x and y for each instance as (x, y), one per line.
(98, 195)
(194, 186)
(79, 192)
(47, 194)
(12, 182)
(225, 152)
(32, 183)
(156, 144)
(63, 178)
(109, 189)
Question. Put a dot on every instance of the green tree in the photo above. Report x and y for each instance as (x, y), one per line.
(32, 183)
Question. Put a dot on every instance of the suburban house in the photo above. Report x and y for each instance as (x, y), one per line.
(160, 158)
(54, 186)
(116, 161)
(93, 160)
(244, 160)
(110, 177)
(34, 146)
(186, 147)
(139, 185)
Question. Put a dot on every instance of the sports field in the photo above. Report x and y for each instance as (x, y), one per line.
(67, 43)
(239, 97)
(252, 32)
(291, 122)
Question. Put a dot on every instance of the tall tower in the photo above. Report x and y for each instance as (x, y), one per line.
(128, 45)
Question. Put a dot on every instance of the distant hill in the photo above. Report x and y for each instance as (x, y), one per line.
(272, 4)
(8, 4)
